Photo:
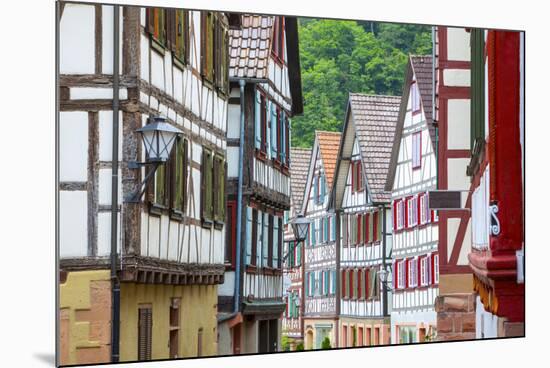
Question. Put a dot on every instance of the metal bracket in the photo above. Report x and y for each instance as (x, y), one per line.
(135, 197)
(495, 223)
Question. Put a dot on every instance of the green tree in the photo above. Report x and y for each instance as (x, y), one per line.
(326, 343)
(339, 57)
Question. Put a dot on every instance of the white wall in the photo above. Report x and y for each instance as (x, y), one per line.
(77, 40)
(73, 146)
(73, 223)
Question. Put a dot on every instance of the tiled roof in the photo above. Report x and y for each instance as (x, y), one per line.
(329, 142)
(250, 47)
(375, 119)
(423, 70)
(299, 167)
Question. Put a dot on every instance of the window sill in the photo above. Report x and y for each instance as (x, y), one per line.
(251, 269)
(179, 63)
(157, 46)
(206, 223)
(157, 209)
(218, 225)
(261, 155)
(176, 215)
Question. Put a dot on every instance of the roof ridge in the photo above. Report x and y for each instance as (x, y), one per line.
(371, 95)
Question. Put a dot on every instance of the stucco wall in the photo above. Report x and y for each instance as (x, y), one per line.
(85, 317)
(198, 308)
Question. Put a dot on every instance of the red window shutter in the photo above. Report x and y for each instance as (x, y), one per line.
(343, 284)
(359, 176)
(395, 274)
(367, 219)
(432, 216)
(395, 215)
(407, 273)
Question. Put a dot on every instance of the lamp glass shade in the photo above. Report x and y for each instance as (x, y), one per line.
(300, 226)
(158, 138)
(383, 274)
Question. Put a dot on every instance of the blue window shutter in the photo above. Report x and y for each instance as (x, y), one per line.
(333, 228)
(313, 235)
(323, 189)
(306, 283)
(257, 118)
(315, 189)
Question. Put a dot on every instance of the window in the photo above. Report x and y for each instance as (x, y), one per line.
(359, 228)
(412, 209)
(477, 91)
(231, 233)
(401, 274)
(344, 284)
(181, 44)
(424, 276)
(263, 123)
(436, 268)
(416, 150)
(424, 208)
(145, 329)
(376, 226)
(207, 46)
(374, 284)
(156, 27)
(412, 269)
(254, 237)
(174, 327)
(212, 187)
(399, 214)
(277, 49)
(415, 98)
(270, 240)
(356, 176)
(221, 53)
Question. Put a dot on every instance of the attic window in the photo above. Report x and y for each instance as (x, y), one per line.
(415, 98)
(277, 49)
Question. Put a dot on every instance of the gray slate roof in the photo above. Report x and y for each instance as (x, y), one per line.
(375, 119)
(250, 47)
(299, 167)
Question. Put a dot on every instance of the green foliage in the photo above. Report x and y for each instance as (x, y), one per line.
(300, 347)
(285, 343)
(339, 57)
(326, 343)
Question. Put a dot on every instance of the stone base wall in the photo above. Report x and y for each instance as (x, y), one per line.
(456, 317)
(85, 317)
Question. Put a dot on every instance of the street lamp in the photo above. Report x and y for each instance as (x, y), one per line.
(300, 226)
(383, 274)
(158, 138)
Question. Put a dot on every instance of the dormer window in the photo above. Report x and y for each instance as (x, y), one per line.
(277, 49)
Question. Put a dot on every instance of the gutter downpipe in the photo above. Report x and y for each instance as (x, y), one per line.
(237, 298)
(433, 113)
(115, 282)
(384, 242)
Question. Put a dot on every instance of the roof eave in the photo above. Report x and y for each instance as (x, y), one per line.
(293, 56)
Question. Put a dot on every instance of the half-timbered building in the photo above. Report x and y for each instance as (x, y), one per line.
(496, 169)
(412, 173)
(364, 219)
(265, 92)
(170, 245)
(455, 303)
(293, 251)
(320, 318)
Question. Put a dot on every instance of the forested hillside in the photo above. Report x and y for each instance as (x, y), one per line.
(338, 57)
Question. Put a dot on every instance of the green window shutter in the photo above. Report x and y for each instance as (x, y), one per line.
(380, 228)
(299, 254)
(160, 184)
(371, 226)
(477, 87)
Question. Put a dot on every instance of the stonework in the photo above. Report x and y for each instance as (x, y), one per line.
(85, 317)
(456, 317)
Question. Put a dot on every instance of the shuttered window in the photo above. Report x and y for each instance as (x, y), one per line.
(221, 50)
(156, 26)
(145, 328)
(160, 186)
(256, 238)
(218, 177)
(277, 49)
(181, 47)
(477, 90)
(206, 186)
(270, 241)
(436, 268)
(424, 276)
(401, 281)
(207, 46)
(178, 175)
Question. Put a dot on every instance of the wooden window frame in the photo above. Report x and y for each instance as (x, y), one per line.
(155, 19)
(219, 168)
(181, 38)
(263, 123)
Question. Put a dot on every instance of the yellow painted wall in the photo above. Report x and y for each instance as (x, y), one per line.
(311, 332)
(198, 309)
(85, 317)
